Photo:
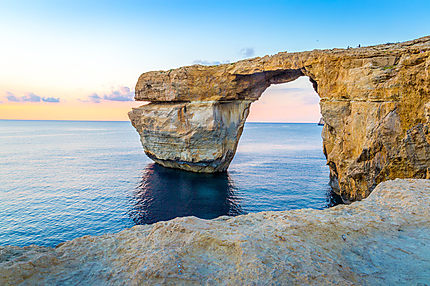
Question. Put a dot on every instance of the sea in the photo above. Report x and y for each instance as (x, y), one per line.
(60, 180)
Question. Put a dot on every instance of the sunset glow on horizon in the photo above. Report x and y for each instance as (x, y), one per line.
(290, 102)
(80, 60)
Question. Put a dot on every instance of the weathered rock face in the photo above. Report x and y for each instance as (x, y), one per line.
(382, 240)
(375, 102)
(195, 136)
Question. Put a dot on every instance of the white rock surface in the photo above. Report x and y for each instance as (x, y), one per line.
(381, 240)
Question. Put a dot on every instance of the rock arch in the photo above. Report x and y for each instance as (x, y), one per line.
(294, 101)
(375, 102)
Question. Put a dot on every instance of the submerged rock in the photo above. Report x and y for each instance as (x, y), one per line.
(382, 240)
(374, 102)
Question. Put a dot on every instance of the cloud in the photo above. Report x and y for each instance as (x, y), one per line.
(305, 96)
(29, 97)
(310, 99)
(93, 98)
(289, 89)
(51, 99)
(11, 97)
(209, 63)
(247, 52)
(122, 94)
(206, 63)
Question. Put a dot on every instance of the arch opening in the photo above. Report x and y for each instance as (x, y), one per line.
(295, 101)
(282, 144)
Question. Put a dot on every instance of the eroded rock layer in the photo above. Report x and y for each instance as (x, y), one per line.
(375, 102)
(199, 136)
(382, 240)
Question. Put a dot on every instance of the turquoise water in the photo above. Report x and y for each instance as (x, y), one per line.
(64, 179)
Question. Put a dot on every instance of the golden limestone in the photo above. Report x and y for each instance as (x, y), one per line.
(375, 102)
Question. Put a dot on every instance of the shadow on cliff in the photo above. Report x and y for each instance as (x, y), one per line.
(166, 193)
(333, 199)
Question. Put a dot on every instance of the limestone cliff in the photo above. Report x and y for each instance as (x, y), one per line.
(375, 102)
(382, 240)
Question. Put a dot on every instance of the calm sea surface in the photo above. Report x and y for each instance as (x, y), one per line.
(64, 179)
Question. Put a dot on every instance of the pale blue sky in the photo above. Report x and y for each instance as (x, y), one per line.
(72, 49)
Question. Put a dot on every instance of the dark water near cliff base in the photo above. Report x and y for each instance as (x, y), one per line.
(61, 179)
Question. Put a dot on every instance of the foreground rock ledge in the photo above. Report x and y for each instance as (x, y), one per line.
(382, 240)
(375, 102)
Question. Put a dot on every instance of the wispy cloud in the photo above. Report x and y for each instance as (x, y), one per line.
(289, 89)
(51, 99)
(29, 97)
(123, 93)
(310, 99)
(247, 52)
(295, 93)
(209, 63)
(93, 98)
(11, 97)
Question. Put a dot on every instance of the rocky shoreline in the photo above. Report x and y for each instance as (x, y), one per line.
(383, 239)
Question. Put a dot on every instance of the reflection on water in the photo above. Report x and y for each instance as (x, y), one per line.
(166, 193)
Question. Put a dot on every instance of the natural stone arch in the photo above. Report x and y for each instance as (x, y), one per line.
(294, 101)
(375, 102)
(202, 135)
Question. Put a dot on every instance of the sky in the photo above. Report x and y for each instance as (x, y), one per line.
(80, 60)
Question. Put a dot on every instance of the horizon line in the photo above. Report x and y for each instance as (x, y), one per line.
(71, 120)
